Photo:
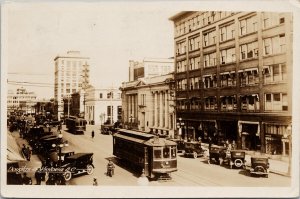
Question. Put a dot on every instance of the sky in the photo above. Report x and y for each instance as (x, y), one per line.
(110, 34)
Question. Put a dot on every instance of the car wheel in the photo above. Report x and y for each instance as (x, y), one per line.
(195, 155)
(89, 169)
(68, 175)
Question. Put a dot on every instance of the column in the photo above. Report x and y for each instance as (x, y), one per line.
(155, 109)
(166, 110)
(161, 124)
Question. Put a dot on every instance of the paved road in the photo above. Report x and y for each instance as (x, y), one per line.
(191, 172)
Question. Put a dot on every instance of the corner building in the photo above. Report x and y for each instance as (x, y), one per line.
(233, 75)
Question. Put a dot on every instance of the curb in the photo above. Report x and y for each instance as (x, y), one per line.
(279, 173)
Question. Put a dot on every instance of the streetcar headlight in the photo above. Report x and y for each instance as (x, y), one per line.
(167, 163)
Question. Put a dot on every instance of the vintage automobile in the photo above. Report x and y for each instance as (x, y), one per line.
(193, 149)
(77, 164)
(107, 129)
(235, 158)
(216, 153)
(259, 166)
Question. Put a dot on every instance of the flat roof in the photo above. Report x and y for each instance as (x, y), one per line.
(174, 17)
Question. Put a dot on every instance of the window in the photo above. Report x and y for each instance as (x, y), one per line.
(166, 152)
(211, 103)
(274, 45)
(181, 66)
(227, 32)
(228, 103)
(249, 50)
(228, 56)
(157, 153)
(180, 48)
(210, 81)
(143, 99)
(248, 25)
(249, 102)
(182, 84)
(210, 60)
(100, 95)
(209, 38)
(194, 83)
(274, 73)
(249, 77)
(271, 19)
(276, 102)
(194, 43)
(228, 79)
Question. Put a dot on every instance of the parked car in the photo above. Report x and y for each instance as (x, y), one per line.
(216, 153)
(77, 164)
(235, 158)
(259, 166)
(193, 149)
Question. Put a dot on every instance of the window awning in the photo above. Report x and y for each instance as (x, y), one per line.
(225, 73)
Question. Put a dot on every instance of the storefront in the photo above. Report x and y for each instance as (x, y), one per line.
(275, 138)
(249, 133)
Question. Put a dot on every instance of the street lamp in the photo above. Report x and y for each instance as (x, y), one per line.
(59, 145)
(288, 135)
(179, 125)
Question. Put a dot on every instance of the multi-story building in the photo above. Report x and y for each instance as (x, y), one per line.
(71, 75)
(21, 100)
(147, 99)
(150, 67)
(102, 105)
(234, 77)
(148, 105)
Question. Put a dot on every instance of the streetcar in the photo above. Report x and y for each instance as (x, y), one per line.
(156, 156)
(76, 125)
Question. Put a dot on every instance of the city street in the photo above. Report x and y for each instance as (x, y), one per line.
(191, 172)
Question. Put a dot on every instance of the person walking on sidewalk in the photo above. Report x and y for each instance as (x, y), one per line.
(93, 134)
(26, 180)
(95, 183)
(28, 152)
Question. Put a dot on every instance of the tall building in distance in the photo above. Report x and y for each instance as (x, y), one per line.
(71, 75)
(21, 100)
(233, 74)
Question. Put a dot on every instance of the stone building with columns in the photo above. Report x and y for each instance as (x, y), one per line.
(148, 105)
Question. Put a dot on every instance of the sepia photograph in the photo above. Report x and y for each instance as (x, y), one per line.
(156, 99)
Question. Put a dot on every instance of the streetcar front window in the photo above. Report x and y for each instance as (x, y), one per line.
(166, 151)
(157, 153)
(173, 152)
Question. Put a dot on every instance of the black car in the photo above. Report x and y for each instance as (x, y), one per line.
(216, 153)
(235, 158)
(259, 166)
(193, 149)
(77, 164)
(107, 129)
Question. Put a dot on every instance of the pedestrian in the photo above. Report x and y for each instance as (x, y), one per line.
(233, 145)
(38, 176)
(95, 183)
(28, 151)
(110, 168)
(93, 134)
(51, 179)
(26, 180)
(24, 151)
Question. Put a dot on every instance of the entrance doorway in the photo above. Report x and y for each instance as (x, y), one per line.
(250, 138)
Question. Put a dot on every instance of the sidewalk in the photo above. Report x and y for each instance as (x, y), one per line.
(278, 166)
